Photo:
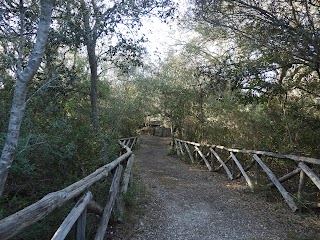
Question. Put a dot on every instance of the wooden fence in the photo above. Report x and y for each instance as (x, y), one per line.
(14, 224)
(220, 157)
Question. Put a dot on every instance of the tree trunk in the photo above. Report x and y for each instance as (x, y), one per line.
(24, 77)
(90, 37)
(94, 87)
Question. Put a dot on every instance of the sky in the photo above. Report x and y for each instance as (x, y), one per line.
(164, 36)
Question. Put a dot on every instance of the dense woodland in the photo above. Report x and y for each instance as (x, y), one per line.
(74, 77)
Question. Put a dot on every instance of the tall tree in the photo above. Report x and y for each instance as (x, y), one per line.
(91, 35)
(109, 20)
(24, 76)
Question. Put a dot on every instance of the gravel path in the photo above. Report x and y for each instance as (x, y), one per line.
(185, 202)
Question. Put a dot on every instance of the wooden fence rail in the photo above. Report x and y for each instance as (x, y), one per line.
(300, 163)
(14, 224)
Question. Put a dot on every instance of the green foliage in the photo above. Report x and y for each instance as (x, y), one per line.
(225, 87)
(57, 144)
(263, 43)
(203, 106)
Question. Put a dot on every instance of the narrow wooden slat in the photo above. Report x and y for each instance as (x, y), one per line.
(225, 162)
(314, 178)
(177, 147)
(195, 155)
(181, 149)
(286, 177)
(72, 217)
(127, 177)
(127, 174)
(244, 174)
(212, 160)
(189, 152)
(222, 163)
(247, 168)
(113, 191)
(302, 181)
(233, 169)
(257, 173)
(81, 226)
(133, 142)
(276, 182)
(204, 158)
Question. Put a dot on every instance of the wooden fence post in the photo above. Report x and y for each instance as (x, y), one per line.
(221, 162)
(189, 152)
(212, 161)
(113, 191)
(177, 147)
(276, 182)
(247, 168)
(203, 158)
(196, 155)
(126, 181)
(257, 174)
(285, 177)
(301, 185)
(81, 226)
(181, 149)
(243, 172)
(133, 142)
(233, 168)
(72, 217)
(313, 177)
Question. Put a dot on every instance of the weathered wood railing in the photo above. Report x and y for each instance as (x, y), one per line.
(14, 224)
(209, 155)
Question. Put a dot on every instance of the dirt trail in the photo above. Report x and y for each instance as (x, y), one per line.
(185, 202)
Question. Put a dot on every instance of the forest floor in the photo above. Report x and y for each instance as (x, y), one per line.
(178, 201)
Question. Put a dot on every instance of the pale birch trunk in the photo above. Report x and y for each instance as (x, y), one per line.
(24, 77)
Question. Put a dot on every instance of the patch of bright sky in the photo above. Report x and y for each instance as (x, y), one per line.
(164, 37)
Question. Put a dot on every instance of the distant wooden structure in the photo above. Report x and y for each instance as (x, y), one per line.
(14, 224)
(156, 126)
(249, 163)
